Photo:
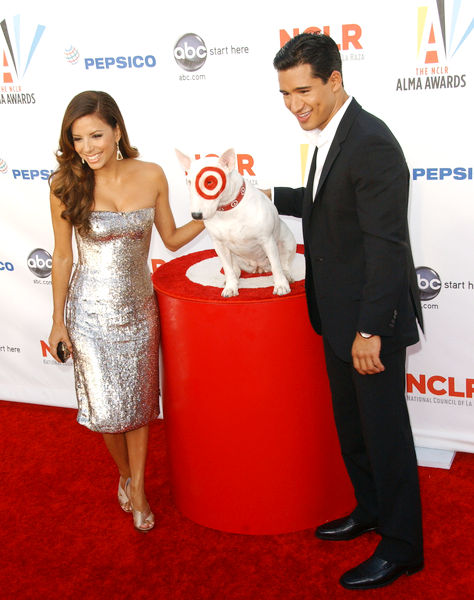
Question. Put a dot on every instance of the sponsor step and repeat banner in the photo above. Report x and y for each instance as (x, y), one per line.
(199, 78)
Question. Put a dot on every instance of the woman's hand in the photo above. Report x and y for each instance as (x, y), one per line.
(172, 237)
(58, 334)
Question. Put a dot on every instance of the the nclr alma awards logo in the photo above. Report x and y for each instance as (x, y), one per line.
(429, 283)
(441, 34)
(17, 49)
(190, 52)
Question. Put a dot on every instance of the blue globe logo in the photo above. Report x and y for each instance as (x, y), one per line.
(72, 55)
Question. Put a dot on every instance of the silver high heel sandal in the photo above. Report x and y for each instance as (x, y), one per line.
(143, 521)
(123, 498)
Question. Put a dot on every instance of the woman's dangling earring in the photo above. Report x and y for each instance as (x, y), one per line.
(119, 154)
(83, 161)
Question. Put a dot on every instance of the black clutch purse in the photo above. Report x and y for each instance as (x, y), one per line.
(63, 352)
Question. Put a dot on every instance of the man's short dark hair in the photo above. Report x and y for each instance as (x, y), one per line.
(315, 49)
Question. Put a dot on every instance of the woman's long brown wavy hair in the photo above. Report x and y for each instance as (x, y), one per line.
(73, 182)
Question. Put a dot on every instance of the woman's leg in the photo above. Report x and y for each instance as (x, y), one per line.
(137, 444)
(117, 446)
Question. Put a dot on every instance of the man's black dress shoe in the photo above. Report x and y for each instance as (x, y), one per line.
(346, 528)
(376, 572)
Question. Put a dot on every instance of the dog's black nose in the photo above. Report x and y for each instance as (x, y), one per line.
(197, 216)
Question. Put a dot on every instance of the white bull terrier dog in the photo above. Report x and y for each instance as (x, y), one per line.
(244, 225)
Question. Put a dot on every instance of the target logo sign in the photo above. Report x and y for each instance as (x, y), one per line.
(210, 182)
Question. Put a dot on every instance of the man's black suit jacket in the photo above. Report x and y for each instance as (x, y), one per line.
(359, 267)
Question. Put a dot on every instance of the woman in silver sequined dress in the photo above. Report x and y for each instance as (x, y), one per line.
(111, 200)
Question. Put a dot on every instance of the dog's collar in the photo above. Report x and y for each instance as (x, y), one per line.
(234, 203)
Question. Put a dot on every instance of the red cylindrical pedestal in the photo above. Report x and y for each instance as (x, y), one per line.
(251, 437)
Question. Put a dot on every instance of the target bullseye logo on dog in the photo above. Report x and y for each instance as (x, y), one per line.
(210, 182)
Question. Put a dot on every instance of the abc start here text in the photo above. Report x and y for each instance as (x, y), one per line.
(9, 349)
(225, 50)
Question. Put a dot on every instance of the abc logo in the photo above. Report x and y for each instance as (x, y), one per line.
(40, 263)
(429, 283)
(190, 52)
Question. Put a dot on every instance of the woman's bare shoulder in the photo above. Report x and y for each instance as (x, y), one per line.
(144, 169)
(148, 176)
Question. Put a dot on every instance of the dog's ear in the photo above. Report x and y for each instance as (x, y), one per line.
(228, 159)
(184, 160)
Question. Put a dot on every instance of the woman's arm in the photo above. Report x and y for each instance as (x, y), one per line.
(61, 273)
(173, 237)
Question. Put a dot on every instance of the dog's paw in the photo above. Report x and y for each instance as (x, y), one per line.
(281, 289)
(230, 291)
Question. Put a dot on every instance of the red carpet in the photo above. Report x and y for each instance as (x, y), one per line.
(64, 536)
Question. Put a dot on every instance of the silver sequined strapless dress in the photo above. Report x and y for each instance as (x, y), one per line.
(112, 320)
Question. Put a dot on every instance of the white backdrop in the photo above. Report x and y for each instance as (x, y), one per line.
(408, 64)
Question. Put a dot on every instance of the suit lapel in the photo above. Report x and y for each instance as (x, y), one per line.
(341, 133)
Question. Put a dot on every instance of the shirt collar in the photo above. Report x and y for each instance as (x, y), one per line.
(319, 137)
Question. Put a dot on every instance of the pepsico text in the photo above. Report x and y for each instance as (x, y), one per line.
(120, 62)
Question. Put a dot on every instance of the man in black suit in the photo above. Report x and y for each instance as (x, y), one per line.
(362, 298)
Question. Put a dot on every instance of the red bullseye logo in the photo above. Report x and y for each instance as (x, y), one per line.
(210, 182)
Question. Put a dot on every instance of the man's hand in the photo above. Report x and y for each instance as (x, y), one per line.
(366, 355)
